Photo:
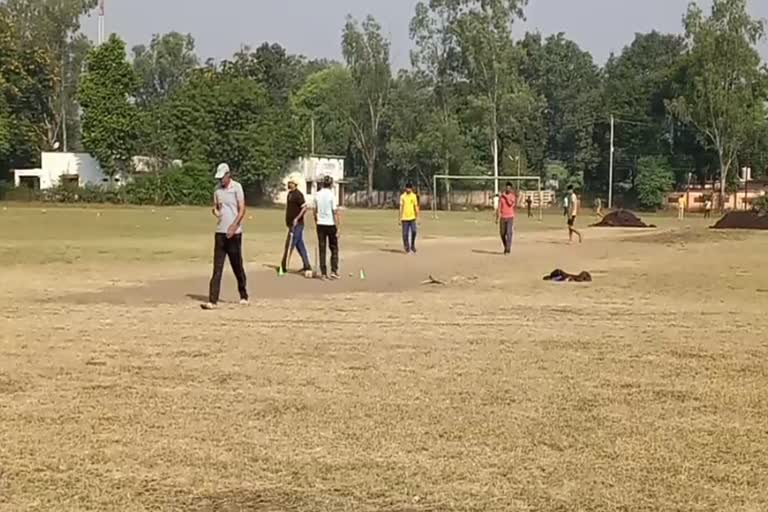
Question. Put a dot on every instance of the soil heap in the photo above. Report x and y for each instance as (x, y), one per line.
(743, 220)
(622, 219)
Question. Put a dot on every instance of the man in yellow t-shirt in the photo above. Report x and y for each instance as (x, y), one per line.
(681, 207)
(409, 214)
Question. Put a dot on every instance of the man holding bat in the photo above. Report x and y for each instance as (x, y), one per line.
(295, 210)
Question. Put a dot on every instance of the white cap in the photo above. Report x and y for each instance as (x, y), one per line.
(221, 171)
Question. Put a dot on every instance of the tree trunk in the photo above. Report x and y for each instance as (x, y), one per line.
(371, 166)
(723, 179)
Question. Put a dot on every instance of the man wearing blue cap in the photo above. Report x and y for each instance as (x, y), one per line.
(229, 210)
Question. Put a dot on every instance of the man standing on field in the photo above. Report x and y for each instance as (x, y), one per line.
(505, 217)
(409, 216)
(295, 209)
(327, 221)
(229, 210)
(573, 210)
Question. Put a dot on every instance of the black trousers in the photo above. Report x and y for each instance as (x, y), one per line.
(327, 236)
(224, 248)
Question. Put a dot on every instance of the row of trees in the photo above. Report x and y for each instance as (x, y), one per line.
(474, 99)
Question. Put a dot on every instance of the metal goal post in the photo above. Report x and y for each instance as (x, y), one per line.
(499, 179)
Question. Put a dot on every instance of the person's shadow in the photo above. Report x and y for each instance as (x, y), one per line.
(489, 253)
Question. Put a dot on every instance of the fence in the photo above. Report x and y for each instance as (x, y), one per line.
(459, 199)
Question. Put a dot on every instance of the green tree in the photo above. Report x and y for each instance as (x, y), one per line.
(217, 117)
(490, 63)
(569, 81)
(654, 181)
(637, 83)
(163, 66)
(324, 102)
(366, 52)
(49, 28)
(110, 116)
(723, 94)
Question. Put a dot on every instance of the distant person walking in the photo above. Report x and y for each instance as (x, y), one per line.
(505, 217)
(573, 211)
(529, 206)
(229, 210)
(327, 221)
(295, 209)
(708, 208)
(599, 207)
(681, 208)
(409, 216)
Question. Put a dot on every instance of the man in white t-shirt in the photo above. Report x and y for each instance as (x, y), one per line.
(327, 222)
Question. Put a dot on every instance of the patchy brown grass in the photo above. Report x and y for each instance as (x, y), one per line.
(645, 390)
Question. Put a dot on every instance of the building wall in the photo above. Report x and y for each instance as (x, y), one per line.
(55, 165)
(741, 200)
(309, 172)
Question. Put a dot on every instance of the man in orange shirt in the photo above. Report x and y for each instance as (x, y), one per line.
(505, 217)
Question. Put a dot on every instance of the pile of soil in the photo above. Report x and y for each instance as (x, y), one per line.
(622, 219)
(743, 220)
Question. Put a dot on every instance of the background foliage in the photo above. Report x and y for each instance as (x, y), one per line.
(474, 96)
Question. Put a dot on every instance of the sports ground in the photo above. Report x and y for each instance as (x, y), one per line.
(645, 390)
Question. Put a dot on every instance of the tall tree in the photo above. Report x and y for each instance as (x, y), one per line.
(483, 32)
(110, 116)
(637, 83)
(724, 92)
(217, 117)
(366, 52)
(569, 81)
(435, 58)
(323, 103)
(164, 65)
(49, 27)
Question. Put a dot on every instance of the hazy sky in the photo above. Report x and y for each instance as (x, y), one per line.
(313, 27)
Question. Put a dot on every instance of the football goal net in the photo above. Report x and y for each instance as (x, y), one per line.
(536, 195)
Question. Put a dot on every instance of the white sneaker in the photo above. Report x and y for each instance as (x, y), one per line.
(244, 302)
(335, 276)
(208, 306)
(308, 274)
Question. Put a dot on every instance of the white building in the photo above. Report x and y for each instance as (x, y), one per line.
(79, 169)
(309, 172)
(61, 168)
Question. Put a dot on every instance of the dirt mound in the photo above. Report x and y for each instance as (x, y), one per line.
(622, 219)
(742, 220)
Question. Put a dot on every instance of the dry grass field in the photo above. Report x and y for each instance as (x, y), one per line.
(645, 390)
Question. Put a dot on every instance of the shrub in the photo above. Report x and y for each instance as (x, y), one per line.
(761, 205)
(654, 181)
(190, 184)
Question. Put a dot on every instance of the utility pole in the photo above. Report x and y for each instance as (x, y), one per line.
(62, 98)
(312, 137)
(610, 171)
(102, 28)
(496, 171)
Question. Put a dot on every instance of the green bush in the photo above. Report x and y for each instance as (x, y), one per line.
(654, 181)
(761, 204)
(191, 184)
